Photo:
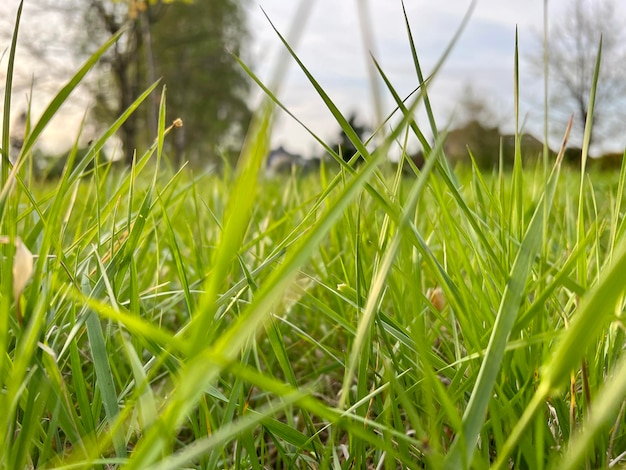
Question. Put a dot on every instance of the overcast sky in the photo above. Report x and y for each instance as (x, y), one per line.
(332, 49)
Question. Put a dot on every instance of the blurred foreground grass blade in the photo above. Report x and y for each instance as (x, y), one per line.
(198, 373)
(147, 402)
(242, 196)
(8, 88)
(136, 325)
(605, 408)
(237, 215)
(57, 102)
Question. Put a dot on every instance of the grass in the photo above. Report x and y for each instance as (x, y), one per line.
(354, 318)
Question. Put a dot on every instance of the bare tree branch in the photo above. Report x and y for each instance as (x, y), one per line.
(572, 50)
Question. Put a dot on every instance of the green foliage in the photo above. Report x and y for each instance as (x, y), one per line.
(188, 46)
(192, 47)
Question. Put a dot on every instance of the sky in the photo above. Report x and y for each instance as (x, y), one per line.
(331, 47)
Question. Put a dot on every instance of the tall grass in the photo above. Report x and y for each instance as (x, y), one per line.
(355, 318)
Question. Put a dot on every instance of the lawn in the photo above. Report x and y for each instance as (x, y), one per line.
(360, 347)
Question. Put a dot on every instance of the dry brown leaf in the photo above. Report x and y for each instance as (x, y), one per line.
(22, 268)
(437, 298)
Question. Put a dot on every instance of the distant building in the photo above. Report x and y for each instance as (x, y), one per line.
(282, 161)
(486, 143)
(482, 141)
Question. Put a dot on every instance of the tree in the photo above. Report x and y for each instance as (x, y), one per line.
(206, 87)
(474, 106)
(573, 44)
(121, 77)
(187, 44)
(344, 145)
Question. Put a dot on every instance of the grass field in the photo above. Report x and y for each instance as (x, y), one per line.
(108, 337)
(355, 318)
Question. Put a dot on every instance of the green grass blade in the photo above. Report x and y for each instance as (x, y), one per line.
(60, 98)
(30, 425)
(147, 402)
(418, 68)
(104, 376)
(582, 264)
(8, 87)
(8, 224)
